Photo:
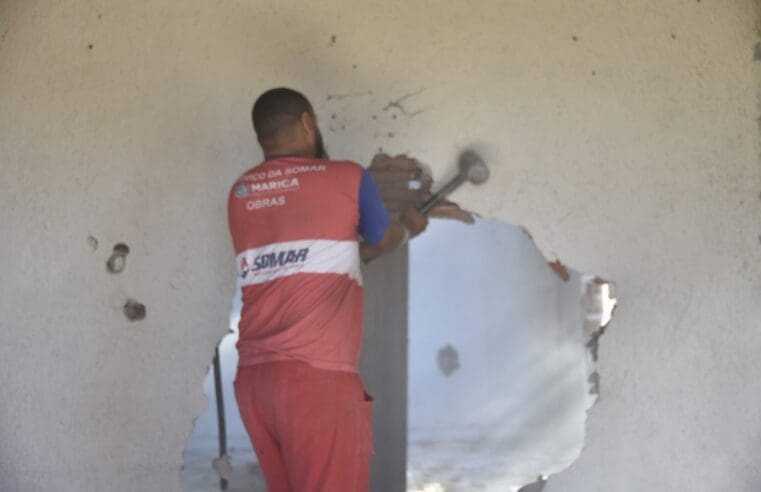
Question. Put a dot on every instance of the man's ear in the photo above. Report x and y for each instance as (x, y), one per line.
(308, 123)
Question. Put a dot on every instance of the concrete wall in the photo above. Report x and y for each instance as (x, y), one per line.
(623, 134)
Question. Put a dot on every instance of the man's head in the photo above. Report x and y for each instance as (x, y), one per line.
(285, 123)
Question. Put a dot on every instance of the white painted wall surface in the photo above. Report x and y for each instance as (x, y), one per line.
(515, 408)
(631, 152)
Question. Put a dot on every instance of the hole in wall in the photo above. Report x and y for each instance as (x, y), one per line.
(133, 310)
(502, 352)
(503, 344)
(118, 259)
(525, 332)
(209, 464)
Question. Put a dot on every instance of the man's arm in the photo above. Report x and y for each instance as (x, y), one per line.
(379, 233)
(410, 224)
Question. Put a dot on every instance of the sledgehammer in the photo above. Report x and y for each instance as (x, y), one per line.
(472, 168)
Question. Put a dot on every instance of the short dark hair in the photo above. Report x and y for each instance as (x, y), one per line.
(277, 109)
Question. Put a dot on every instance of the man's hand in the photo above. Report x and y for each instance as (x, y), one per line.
(415, 221)
(405, 182)
(410, 224)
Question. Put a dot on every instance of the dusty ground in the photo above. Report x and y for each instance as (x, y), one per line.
(429, 470)
(198, 475)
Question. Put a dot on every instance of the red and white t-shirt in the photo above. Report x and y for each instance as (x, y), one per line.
(296, 223)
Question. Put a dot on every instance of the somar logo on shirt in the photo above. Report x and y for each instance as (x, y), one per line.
(273, 261)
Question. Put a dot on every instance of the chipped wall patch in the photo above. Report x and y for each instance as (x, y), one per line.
(448, 360)
(133, 310)
(118, 259)
(559, 269)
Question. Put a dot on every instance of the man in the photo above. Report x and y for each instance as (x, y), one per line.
(300, 225)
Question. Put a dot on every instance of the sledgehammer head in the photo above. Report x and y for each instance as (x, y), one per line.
(472, 167)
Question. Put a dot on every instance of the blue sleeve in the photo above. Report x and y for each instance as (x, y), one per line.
(373, 216)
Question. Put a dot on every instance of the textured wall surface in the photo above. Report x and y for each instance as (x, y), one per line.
(623, 134)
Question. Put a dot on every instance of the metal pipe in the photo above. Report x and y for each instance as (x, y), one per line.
(220, 413)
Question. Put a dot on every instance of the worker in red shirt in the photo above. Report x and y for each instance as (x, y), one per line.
(300, 225)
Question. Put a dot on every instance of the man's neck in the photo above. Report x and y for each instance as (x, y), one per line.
(284, 151)
(272, 157)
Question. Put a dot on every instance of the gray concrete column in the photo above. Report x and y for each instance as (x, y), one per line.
(384, 366)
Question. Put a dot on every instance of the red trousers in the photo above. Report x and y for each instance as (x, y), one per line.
(311, 428)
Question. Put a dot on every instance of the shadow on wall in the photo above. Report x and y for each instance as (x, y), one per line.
(501, 367)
